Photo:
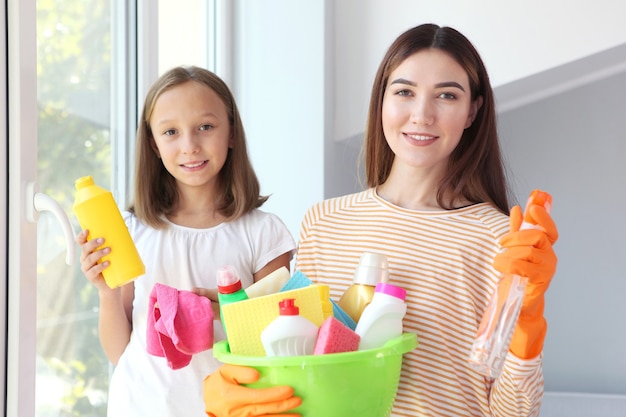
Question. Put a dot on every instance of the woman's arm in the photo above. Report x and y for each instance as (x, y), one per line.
(518, 391)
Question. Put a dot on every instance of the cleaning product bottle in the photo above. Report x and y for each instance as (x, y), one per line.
(97, 211)
(493, 337)
(381, 320)
(229, 288)
(289, 334)
(372, 269)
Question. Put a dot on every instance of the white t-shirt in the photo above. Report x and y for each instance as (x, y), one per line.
(183, 258)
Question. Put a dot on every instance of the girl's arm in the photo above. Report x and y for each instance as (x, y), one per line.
(114, 320)
(273, 265)
(211, 294)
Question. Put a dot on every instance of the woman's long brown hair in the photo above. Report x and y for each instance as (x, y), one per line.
(476, 169)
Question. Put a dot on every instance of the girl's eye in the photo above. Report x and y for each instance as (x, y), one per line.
(169, 132)
(206, 127)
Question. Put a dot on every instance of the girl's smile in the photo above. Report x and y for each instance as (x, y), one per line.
(195, 165)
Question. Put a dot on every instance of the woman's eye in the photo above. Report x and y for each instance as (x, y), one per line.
(206, 127)
(169, 132)
(448, 96)
(404, 93)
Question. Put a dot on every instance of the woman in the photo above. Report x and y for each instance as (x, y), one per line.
(437, 207)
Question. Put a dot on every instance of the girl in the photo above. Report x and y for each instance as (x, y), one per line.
(437, 207)
(196, 209)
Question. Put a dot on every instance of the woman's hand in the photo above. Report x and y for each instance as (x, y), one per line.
(529, 253)
(224, 396)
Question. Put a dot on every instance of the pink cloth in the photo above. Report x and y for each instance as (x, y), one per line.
(180, 325)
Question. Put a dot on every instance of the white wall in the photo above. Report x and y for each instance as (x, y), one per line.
(279, 83)
(515, 39)
(574, 145)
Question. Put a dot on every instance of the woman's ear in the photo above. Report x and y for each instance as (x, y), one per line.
(474, 107)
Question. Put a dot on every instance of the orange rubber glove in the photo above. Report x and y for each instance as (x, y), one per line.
(224, 397)
(529, 253)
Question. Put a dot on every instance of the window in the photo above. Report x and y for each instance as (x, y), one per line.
(89, 53)
(83, 81)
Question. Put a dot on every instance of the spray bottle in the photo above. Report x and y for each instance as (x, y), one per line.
(496, 327)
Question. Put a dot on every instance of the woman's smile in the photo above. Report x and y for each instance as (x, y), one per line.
(420, 139)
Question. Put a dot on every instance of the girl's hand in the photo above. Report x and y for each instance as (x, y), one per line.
(211, 295)
(89, 258)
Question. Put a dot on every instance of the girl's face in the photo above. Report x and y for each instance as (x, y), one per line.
(191, 133)
(426, 107)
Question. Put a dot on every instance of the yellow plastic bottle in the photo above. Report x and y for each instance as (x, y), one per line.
(97, 211)
(373, 268)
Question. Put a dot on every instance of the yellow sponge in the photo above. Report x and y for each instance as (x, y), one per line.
(245, 320)
(327, 306)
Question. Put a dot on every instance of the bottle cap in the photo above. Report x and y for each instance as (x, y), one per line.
(83, 182)
(372, 269)
(391, 289)
(287, 307)
(228, 281)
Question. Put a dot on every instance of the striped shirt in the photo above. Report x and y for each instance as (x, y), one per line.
(444, 261)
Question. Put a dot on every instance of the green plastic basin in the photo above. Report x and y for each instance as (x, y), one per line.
(362, 383)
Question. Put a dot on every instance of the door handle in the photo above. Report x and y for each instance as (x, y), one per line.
(37, 202)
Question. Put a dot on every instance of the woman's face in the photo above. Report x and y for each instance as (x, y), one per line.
(426, 107)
